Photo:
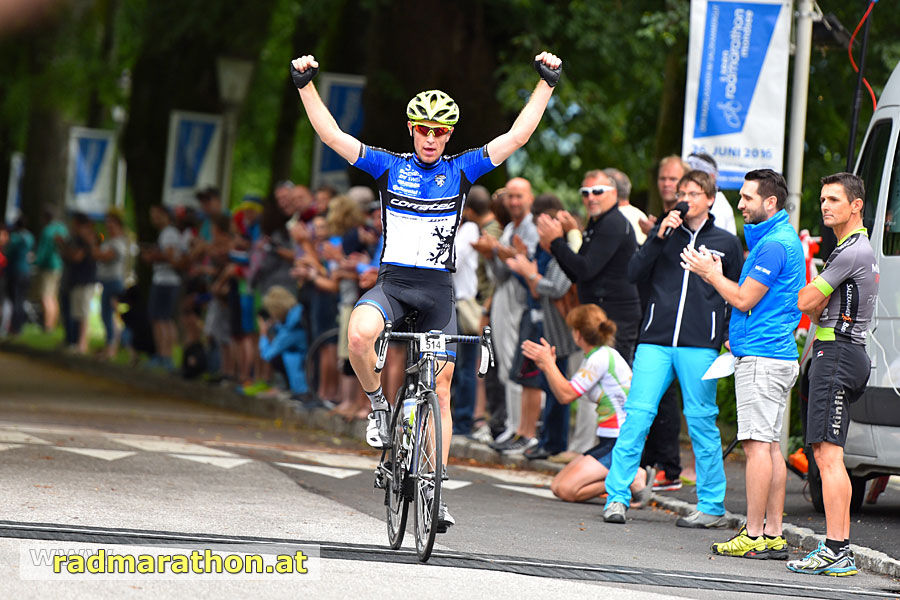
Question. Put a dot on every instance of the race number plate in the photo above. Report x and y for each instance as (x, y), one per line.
(433, 344)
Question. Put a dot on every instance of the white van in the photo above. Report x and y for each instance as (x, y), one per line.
(873, 442)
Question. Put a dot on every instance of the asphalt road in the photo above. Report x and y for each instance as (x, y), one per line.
(96, 462)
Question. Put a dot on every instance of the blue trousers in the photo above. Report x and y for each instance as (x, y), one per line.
(555, 431)
(654, 368)
(464, 383)
(111, 289)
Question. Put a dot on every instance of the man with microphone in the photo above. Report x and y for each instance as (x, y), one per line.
(682, 333)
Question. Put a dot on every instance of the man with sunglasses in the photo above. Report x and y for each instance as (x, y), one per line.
(422, 197)
(600, 268)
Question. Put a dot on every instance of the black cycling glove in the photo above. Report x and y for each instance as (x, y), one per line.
(551, 76)
(301, 79)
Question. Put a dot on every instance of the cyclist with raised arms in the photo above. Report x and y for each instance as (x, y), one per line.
(422, 197)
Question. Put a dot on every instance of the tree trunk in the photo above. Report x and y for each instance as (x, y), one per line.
(95, 106)
(303, 41)
(6, 150)
(462, 63)
(44, 181)
(671, 116)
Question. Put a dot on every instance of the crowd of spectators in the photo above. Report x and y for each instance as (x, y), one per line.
(240, 297)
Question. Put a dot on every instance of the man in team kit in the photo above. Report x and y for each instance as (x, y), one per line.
(841, 301)
(422, 198)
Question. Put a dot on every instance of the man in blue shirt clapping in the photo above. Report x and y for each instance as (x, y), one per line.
(761, 334)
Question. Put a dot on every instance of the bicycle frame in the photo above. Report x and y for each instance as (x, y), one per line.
(403, 482)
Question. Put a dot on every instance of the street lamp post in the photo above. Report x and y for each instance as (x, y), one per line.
(234, 79)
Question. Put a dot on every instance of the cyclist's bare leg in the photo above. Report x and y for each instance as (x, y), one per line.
(443, 392)
(366, 324)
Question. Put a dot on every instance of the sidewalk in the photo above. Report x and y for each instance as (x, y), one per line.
(290, 412)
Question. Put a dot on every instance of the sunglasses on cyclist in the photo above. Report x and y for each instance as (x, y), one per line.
(437, 130)
(597, 190)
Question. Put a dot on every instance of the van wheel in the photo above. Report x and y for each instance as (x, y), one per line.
(857, 485)
(815, 482)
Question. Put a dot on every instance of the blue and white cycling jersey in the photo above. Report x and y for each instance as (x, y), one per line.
(421, 204)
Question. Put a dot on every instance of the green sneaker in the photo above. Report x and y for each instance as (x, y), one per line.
(742, 545)
(777, 547)
(252, 389)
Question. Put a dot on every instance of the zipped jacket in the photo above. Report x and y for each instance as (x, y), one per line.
(683, 310)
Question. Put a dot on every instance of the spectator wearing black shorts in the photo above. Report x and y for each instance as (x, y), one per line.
(841, 301)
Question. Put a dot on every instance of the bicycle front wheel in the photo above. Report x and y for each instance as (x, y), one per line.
(428, 466)
(396, 493)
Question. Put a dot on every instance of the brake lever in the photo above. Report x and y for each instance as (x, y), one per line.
(487, 352)
(384, 337)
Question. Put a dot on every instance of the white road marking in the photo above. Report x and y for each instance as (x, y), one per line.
(329, 471)
(98, 453)
(541, 492)
(455, 484)
(171, 445)
(216, 461)
(9, 446)
(332, 459)
(520, 477)
(17, 437)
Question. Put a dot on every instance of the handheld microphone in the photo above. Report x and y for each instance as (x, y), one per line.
(682, 208)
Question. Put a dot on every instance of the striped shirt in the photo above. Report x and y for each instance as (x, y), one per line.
(605, 378)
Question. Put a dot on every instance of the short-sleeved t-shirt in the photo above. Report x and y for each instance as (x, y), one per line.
(163, 272)
(605, 378)
(46, 256)
(83, 272)
(850, 277)
(421, 204)
(114, 269)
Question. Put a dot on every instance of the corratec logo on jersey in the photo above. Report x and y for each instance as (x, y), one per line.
(424, 207)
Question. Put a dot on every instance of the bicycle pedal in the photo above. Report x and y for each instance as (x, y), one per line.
(379, 481)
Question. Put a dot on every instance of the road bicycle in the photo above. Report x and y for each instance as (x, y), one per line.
(411, 470)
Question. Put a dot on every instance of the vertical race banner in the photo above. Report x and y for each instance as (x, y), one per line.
(192, 156)
(14, 187)
(342, 95)
(89, 185)
(736, 92)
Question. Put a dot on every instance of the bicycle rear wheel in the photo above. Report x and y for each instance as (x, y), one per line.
(396, 497)
(427, 465)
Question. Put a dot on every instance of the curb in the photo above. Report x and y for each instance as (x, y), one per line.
(321, 419)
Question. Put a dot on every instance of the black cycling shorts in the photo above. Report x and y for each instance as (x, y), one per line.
(400, 290)
(602, 452)
(837, 376)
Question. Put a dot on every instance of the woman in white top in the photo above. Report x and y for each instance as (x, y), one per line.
(603, 377)
(110, 257)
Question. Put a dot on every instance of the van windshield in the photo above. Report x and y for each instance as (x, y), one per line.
(871, 167)
(892, 217)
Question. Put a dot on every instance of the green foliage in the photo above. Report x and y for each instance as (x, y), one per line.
(604, 113)
(604, 110)
(831, 89)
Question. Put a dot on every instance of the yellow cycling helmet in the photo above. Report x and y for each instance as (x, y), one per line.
(433, 105)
